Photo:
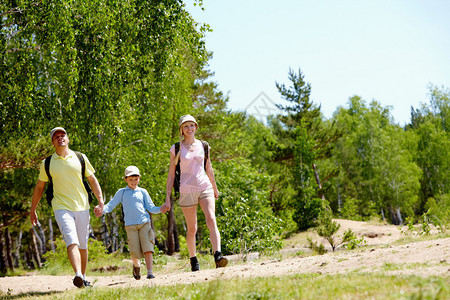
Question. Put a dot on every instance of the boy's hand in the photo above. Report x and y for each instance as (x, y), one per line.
(98, 211)
(165, 208)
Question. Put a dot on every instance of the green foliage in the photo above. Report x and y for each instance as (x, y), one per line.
(316, 247)
(248, 229)
(438, 211)
(184, 252)
(57, 262)
(302, 138)
(351, 241)
(354, 285)
(328, 228)
(350, 209)
(375, 161)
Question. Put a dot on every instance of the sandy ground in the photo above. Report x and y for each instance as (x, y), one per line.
(428, 258)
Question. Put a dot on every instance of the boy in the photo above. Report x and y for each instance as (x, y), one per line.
(136, 202)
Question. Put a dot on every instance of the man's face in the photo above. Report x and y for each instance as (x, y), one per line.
(60, 139)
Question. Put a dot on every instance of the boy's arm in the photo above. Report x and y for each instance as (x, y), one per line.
(148, 203)
(118, 197)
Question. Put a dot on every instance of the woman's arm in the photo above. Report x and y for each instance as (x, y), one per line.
(210, 173)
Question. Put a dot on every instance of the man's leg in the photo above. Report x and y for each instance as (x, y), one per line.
(75, 258)
(84, 260)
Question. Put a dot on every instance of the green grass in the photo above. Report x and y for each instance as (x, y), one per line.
(310, 286)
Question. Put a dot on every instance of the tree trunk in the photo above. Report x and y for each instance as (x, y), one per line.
(171, 229)
(105, 235)
(316, 175)
(382, 214)
(29, 258)
(35, 249)
(2, 257)
(38, 239)
(176, 239)
(18, 243)
(43, 240)
(50, 234)
(114, 233)
(8, 249)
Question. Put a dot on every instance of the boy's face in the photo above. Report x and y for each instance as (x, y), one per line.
(132, 181)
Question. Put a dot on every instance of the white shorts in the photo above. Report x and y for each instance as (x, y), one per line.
(191, 199)
(74, 227)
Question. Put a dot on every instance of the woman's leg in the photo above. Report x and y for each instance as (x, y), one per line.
(190, 215)
(208, 206)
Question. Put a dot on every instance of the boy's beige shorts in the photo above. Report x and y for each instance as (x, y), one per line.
(141, 239)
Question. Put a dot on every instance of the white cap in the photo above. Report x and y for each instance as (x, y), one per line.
(55, 130)
(131, 170)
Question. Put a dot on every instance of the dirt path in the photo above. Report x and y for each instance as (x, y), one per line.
(430, 258)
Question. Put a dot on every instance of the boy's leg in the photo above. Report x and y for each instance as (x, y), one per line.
(136, 261)
(149, 263)
(136, 268)
(134, 246)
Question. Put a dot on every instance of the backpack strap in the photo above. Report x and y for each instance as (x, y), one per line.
(87, 187)
(206, 148)
(83, 164)
(177, 148)
(176, 181)
(47, 167)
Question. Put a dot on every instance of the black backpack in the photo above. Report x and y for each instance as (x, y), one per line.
(176, 182)
(49, 191)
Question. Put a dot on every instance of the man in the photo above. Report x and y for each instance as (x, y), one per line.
(70, 200)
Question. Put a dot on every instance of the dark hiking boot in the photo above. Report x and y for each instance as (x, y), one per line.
(150, 276)
(136, 272)
(78, 281)
(220, 260)
(195, 266)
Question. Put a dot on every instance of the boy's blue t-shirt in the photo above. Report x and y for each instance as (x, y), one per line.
(135, 204)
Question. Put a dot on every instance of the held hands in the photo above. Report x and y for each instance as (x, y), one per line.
(98, 211)
(165, 207)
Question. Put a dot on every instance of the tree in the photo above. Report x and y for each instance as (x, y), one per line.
(375, 158)
(302, 138)
(431, 124)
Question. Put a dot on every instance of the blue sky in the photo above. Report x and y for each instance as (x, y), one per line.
(384, 50)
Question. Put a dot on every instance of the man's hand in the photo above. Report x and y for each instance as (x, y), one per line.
(33, 218)
(98, 211)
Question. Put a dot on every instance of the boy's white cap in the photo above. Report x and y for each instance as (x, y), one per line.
(131, 170)
(55, 130)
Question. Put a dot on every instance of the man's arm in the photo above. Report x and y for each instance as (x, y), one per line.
(37, 194)
(95, 186)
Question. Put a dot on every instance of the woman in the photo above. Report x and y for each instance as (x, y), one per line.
(197, 187)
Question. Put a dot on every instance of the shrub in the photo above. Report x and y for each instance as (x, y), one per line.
(249, 228)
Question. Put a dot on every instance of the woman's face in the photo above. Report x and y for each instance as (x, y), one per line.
(188, 128)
